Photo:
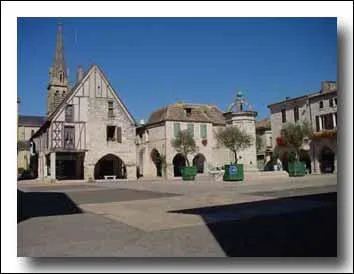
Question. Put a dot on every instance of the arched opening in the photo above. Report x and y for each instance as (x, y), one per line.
(327, 160)
(156, 159)
(199, 163)
(110, 165)
(178, 163)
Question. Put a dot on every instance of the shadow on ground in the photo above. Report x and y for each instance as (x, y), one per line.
(304, 226)
(38, 204)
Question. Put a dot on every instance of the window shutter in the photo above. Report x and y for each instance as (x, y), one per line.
(176, 129)
(119, 134)
(203, 131)
(191, 129)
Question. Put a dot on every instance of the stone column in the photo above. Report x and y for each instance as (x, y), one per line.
(169, 170)
(89, 171)
(131, 172)
(335, 164)
(41, 166)
(52, 165)
(334, 120)
(320, 122)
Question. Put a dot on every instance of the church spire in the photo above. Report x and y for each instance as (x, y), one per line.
(58, 84)
(59, 74)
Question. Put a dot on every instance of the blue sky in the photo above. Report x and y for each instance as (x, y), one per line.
(152, 62)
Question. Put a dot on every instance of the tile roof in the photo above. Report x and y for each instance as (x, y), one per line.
(265, 123)
(31, 121)
(198, 113)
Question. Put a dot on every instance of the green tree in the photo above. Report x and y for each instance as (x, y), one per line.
(234, 139)
(184, 144)
(294, 135)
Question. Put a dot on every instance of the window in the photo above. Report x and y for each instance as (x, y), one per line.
(321, 104)
(188, 112)
(203, 131)
(110, 133)
(176, 129)
(110, 109)
(327, 121)
(32, 132)
(190, 128)
(335, 101)
(69, 113)
(296, 114)
(331, 103)
(69, 135)
(119, 134)
(283, 116)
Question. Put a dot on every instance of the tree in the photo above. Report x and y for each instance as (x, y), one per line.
(294, 135)
(184, 144)
(234, 139)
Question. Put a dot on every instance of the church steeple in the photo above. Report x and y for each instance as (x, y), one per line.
(59, 70)
(58, 75)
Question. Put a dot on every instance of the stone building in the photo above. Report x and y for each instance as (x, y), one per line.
(265, 148)
(203, 121)
(27, 126)
(319, 109)
(89, 132)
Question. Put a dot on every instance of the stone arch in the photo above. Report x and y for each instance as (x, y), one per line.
(327, 158)
(110, 164)
(156, 159)
(199, 162)
(178, 163)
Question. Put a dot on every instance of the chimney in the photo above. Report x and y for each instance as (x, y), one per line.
(79, 73)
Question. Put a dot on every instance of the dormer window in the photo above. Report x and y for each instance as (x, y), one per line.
(188, 111)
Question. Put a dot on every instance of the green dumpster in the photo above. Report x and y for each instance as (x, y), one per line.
(297, 169)
(233, 172)
(188, 173)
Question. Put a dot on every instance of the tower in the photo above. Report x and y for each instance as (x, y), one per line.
(58, 85)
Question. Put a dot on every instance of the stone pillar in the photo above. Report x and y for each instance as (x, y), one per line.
(131, 172)
(335, 164)
(169, 170)
(89, 171)
(334, 120)
(52, 165)
(41, 164)
(320, 122)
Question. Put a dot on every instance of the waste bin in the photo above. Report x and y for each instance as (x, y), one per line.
(189, 173)
(297, 169)
(233, 172)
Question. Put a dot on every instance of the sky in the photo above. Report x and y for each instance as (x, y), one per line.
(153, 62)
